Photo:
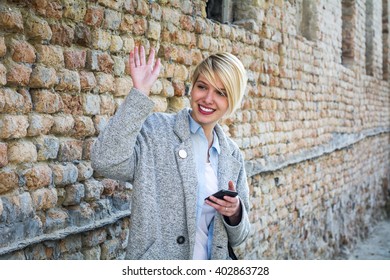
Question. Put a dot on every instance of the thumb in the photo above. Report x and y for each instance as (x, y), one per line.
(231, 186)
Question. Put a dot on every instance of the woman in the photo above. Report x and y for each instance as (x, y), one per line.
(176, 161)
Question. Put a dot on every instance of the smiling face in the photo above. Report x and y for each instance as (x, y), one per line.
(209, 104)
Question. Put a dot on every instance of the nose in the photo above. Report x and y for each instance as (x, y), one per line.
(209, 97)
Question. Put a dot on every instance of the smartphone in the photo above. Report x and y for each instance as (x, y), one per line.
(220, 194)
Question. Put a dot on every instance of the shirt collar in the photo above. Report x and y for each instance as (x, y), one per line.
(196, 128)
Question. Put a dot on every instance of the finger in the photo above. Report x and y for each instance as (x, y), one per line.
(151, 57)
(156, 68)
(131, 60)
(136, 57)
(231, 186)
(142, 54)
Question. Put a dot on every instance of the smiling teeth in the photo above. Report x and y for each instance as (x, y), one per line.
(206, 109)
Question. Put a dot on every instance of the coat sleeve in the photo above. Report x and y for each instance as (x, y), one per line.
(114, 153)
(238, 233)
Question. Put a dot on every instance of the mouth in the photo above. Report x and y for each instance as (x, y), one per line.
(205, 110)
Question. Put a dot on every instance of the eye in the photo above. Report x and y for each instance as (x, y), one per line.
(222, 93)
(201, 87)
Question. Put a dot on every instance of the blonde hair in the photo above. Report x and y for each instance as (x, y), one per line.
(230, 71)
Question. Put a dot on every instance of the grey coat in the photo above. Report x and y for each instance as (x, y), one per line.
(143, 148)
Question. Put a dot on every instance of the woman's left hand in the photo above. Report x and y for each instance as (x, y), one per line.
(229, 207)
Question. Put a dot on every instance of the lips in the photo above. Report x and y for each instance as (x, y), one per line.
(205, 110)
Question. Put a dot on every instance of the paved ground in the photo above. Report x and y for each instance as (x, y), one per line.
(376, 246)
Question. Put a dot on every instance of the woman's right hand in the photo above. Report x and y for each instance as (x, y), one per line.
(144, 74)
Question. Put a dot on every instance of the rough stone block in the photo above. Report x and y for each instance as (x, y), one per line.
(75, 59)
(50, 55)
(85, 170)
(112, 19)
(22, 51)
(94, 16)
(110, 249)
(154, 30)
(116, 44)
(119, 65)
(46, 101)
(105, 83)
(3, 154)
(9, 180)
(88, 143)
(12, 126)
(91, 104)
(63, 124)
(68, 81)
(22, 151)
(140, 26)
(64, 174)
(122, 86)
(73, 104)
(38, 176)
(18, 74)
(70, 150)
(100, 122)
(44, 198)
(11, 19)
(3, 47)
(56, 219)
(63, 35)
(38, 28)
(11, 101)
(43, 77)
(107, 105)
(93, 189)
(87, 80)
(39, 124)
(74, 194)
(83, 127)
(74, 9)
(101, 39)
(109, 186)
(47, 147)
(82, 35)
(3, 75)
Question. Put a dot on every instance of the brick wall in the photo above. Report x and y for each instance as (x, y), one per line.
(314, 130)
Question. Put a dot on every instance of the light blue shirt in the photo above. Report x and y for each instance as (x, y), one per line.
(200, 149)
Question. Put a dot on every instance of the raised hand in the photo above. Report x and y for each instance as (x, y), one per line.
(143, 74)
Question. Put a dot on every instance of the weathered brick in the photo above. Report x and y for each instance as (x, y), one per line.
(3, 75)
(105, 83)
(43, 77)
(44, 198)
(38, 28)
(112, 19)
(12, 126)
(21, 51)
(75, 59)
(72, 104)
(9, 180)
(18, 74)
(22, 151)
(107, 104)
(63, 35)
(39, 124)
(74, 9)
(63, 124)
(122, 86)
(87, 80)
(91, 104)
(47, 147)
(70, 150)
(64, 174)
(3, 154)
(83, 127)
(68, 81)
(11, 19)
(50, 55)
(74, 193)
(39, 176)
(45, 101)
(94, 16)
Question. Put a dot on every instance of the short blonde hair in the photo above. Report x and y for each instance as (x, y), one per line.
(230, 71)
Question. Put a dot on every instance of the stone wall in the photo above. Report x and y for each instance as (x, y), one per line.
(313, 126)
